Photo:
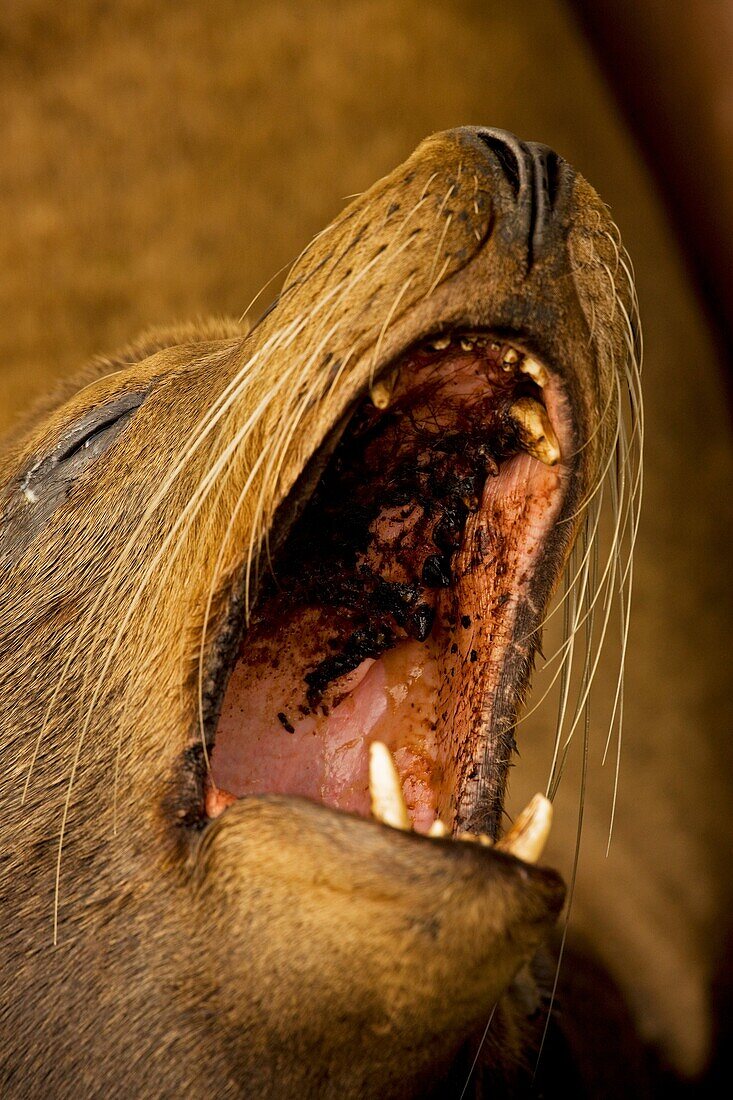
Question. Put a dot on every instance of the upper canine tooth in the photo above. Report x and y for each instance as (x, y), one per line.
(439, 343)
(438, 828)
(385, 790)
(381, 392)
(535, 430)
(528, 835)
(535, 371)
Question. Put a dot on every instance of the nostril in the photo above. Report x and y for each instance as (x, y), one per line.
(553, 174)
(505, 156)
(539, 179)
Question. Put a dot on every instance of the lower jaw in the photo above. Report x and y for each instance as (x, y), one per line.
(437, 680)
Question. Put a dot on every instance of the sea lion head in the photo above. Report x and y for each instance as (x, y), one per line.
(231, 561)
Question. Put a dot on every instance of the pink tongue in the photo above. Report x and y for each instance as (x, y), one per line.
(325, 757)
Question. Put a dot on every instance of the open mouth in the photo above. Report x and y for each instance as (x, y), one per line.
(403, 608)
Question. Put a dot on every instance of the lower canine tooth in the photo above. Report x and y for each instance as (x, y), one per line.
(536, 433)
(381, 392)
(385, 790)
(528, 835)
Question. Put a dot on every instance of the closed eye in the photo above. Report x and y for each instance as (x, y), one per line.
(45, 483)
(81, 444)
(96, 440)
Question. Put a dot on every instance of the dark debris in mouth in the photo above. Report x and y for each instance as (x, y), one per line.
(430, 477)
(385, 617)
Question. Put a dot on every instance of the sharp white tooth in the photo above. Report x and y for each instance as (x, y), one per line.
(439, 343)
(536, 433)
(438, 828)
(382, 390)
(528, 835)
(385, 790)
(535, 371)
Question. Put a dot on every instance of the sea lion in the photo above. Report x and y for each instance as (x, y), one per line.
(238, 566)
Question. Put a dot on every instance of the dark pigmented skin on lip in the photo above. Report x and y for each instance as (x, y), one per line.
(192, 943)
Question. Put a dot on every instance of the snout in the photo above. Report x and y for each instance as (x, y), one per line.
(531, 185)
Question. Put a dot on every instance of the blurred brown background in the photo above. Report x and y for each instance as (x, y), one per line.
(161, 161)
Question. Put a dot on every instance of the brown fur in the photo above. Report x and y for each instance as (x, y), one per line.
(229, 172)
(283, 949)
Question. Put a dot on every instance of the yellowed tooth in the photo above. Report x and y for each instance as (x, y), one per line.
(528, 835)
(468, 343)
(536, 433)
(510, 358)
(438, 828)
(385, 789)
(381, 392)
(535, 370)
(475, 838)
(439, 343)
